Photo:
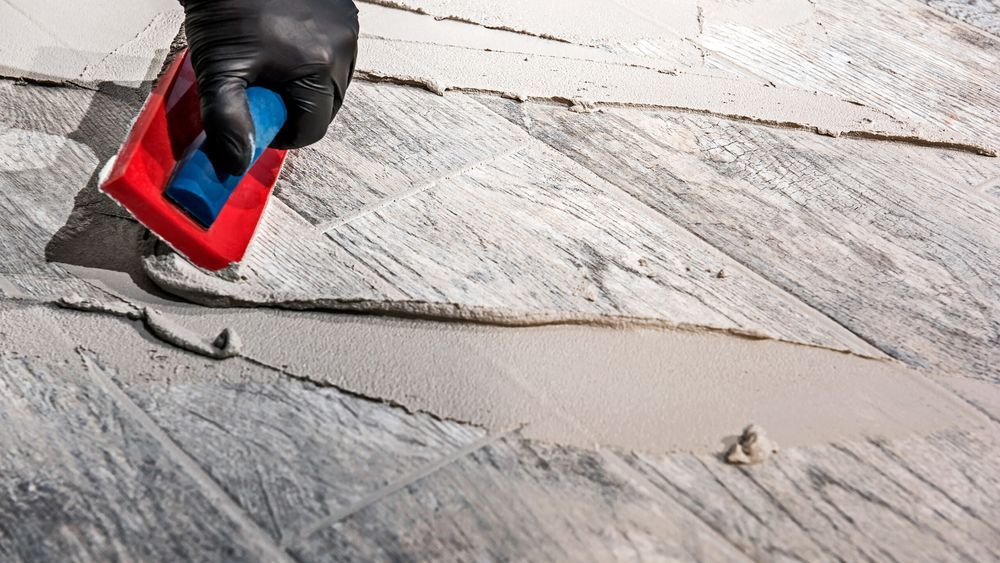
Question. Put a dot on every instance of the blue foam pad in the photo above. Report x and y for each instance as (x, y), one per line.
(197, 188)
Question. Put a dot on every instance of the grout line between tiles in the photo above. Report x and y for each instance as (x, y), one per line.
(338, 222)
(981, 187)
(616, 461)
(254, 534)
(395, 486)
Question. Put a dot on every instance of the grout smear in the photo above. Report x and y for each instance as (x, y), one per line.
(175, 275)
(227, 344)
(753, 447)
(579, 22)
(417, 50)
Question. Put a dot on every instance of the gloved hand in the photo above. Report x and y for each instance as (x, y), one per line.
(302, 49)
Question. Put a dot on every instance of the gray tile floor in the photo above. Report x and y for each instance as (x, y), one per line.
(118, 446)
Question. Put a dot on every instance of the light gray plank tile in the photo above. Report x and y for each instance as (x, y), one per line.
(920, 499)
(98, 119)
(983, 14)
(898, 56)
(531, 232)
(289, 452)
(81, 479)
(285, 263)
(39, 176)
(388, 140)
(891, 242)
(516, 500)
(24, 107)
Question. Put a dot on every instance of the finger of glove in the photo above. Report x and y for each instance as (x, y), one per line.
(229, 128)
(312, 102)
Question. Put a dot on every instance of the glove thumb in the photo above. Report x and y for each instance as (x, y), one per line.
(229, 129)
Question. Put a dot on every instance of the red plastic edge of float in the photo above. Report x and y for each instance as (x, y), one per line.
(167, 125)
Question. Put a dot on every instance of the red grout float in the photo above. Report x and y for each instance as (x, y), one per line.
(166, 182)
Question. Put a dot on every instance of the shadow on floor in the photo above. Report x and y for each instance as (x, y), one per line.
(98, 233)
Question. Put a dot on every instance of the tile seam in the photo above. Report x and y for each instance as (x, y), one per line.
(395, 487)
(251, 532)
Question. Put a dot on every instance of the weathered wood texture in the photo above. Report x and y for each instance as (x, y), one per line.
(80, 482)
(81, 479)
(984, 14)
(388, 141)
(24, 107)
(316, 469)
(892, 242)
(515, 500)
(990, 187)
(288, 452)
(39, 174)
(226, 459)
(526, 236)
(292, 453)
(921, 499)
(898, 55)
(534, 232)
(98, 119)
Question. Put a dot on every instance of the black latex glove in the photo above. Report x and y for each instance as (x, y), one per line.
(302, 49)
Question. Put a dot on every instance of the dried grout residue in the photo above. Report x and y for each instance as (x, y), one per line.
(618, 69)
(580, 22)
(226, 344)
(753, 447)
